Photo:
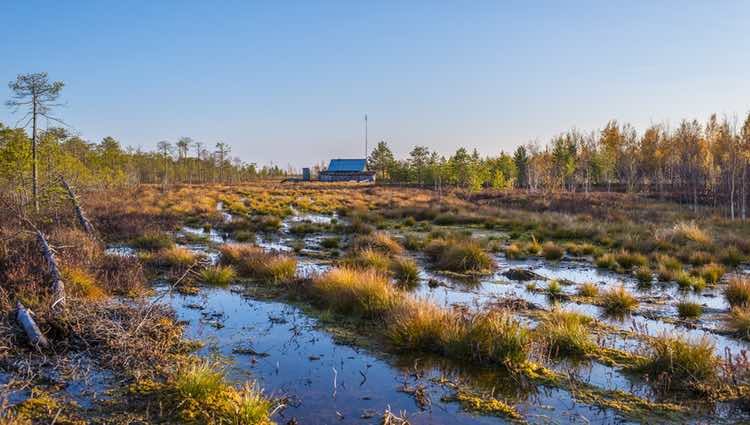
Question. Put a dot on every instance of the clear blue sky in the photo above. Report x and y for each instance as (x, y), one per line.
(289, 82)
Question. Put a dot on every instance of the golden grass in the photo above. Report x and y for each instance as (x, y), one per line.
(618, 300)
(176, 256)
(680, 362)
(255, 262)
(379, 241)
(352, 291)
(218, 275)
(588, 289)
(737, 292)
(565, 332)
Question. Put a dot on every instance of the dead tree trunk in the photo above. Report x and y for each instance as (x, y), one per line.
(85, 223)
(57, 284)
(23, 315)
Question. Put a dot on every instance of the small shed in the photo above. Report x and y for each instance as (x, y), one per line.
(341, 170)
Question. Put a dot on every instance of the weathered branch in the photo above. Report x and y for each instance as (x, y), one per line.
(23, 315)
(85, 223)
(57, 284)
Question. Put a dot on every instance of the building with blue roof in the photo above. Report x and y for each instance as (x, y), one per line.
(342, 170)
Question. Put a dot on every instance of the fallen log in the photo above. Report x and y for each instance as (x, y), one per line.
(23, 315)
(58, 287)
(85, 223)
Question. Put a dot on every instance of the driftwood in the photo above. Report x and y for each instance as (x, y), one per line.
(58, 287)
(85, 223)
(23, 315)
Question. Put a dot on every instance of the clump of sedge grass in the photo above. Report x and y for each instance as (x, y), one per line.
(690, 231)
(588, 289)
(330, 243)
(644, 275)
(551, 251)
(737, 292)
(554, 288)
(351, 291)
(533, 247)
(368, 258)
(82, 284)
(218, 275)
(379, 241)
(732, 257)
(491, 337)
(711, 273)
(153, 241)
(514, 252)
(689, 310)
(566, 332)
(628, 260)
(580, 249)
(253, 261)
(404, 270)
(417, 325)
(739, 321)
(681, 363)
(686, 281)
(699, 258)
(459, 256)
(176, 256)
(618, 300)
(606, 261)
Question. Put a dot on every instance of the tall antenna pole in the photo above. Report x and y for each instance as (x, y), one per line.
(366, 136)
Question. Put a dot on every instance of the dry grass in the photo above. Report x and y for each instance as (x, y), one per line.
(737, 292)
(618, 300)
(588, 289)
(677, 362)
(459, 255)
(255, 262)
(351, 291)
(218, 275)
(566, 332)
(379, 241)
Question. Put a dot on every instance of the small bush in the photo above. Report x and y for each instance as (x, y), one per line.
(618, 301)
(588, 289)
(218, 275)
(689, 310)
(737, 292)
(552, 251)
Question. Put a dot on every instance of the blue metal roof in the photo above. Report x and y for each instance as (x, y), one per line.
(347, 165)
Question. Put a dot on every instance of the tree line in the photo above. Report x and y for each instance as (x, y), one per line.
(700, 164)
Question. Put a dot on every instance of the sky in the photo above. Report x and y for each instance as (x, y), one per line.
(289, 82)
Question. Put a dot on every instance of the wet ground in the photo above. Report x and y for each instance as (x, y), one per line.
(323, 381)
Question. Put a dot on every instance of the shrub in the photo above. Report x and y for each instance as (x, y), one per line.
(683, 362)
(552, 251)
(588, 289)
(739, 321)
(618, 301)
(737, 292)
(218, 275)
(351, 291)
(405, 270)
(565, 332)
(689, 310)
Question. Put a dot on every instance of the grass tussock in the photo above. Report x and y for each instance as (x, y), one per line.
(82, 284)
(677, 362)
(737, 292)
(255, 262)
(618, 301)
(690, 231)
(566, 333)
(738, 321)
(551, 251)
(404, 270)
(153, 241)
(588, 290)
(378, 241)
(689, 310)
(514, 251)
(711, 273)
(218, 275)
(459, 255)
(628, 260)
(351, 291)
(175, 256)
